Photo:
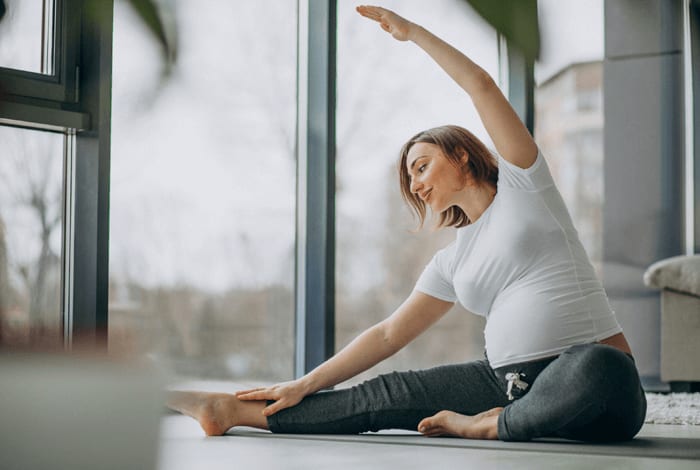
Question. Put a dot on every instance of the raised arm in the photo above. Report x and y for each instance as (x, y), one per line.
(374, 345)
(510, 136)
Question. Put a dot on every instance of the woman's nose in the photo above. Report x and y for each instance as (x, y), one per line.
(415, 186)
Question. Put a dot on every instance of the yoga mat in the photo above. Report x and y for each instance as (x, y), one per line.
(645, 447)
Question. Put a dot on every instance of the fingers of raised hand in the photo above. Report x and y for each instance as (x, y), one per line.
(378, 14)
(373, 13)
(389, 21)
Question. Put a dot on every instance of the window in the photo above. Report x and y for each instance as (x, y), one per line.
(203, 191)
(388, 91)
(26, 36)
(31, 227)
(74, 102)
(39, 52)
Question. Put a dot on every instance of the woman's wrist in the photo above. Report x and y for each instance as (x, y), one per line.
(414, 31)
(309, 384)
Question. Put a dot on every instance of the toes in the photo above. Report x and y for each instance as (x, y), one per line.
(434, 425)
(435, 432)
(425, 425)
(441, 417)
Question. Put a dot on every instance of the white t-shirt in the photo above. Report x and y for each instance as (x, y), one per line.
(522, 266)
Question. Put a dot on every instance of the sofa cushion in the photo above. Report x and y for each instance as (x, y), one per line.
(679, 273)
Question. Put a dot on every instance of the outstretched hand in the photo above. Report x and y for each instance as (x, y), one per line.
(285, 395)
(400, 28)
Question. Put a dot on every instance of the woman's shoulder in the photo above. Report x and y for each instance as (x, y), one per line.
(534, 178)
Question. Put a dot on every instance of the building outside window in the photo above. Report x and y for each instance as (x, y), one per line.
(569, 131)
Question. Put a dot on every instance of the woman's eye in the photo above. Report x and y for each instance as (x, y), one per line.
(421, 169)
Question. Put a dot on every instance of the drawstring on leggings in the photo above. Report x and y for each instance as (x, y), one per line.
(513, 378)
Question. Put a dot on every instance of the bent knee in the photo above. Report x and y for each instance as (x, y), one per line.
(601, 363)
(599, 357)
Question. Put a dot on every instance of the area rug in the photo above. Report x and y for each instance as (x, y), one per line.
(673, 408)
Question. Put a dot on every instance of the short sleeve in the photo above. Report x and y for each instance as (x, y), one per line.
(436, 279)
(535, 178)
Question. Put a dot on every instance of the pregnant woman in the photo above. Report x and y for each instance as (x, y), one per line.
(557, 362)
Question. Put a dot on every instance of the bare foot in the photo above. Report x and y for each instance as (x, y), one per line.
(218, 412)
(448, 423)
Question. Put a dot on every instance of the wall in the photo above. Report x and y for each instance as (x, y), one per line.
(643, 140)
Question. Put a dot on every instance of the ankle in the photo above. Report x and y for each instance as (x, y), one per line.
(488, 423)
(245, 413)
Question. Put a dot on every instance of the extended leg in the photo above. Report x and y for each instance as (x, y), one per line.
(398, 400)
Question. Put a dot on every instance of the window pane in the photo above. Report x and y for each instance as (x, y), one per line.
(569, 112)
(31, 227)
(203, 190)
(388, 91)
(25, 23)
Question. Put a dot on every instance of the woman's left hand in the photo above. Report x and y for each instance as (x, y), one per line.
(400, 28)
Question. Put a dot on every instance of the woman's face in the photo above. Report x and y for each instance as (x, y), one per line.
(434, 178)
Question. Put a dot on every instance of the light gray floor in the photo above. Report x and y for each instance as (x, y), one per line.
(184, 446)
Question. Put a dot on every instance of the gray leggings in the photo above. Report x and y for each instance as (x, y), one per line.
(590, 392)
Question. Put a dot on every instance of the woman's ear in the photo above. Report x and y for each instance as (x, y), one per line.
(464, 163)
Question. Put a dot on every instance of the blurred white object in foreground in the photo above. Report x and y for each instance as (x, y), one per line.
(68, 412)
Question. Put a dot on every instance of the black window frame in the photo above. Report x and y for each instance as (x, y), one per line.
(61, 85)
(75, 101)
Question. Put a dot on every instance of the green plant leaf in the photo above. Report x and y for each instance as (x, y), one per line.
(516, 20)
(164, 33)
(150, 14)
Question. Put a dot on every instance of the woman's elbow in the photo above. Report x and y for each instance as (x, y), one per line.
(389, 339)
(484, 83)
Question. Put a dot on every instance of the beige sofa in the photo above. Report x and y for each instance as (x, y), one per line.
(679, 281)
